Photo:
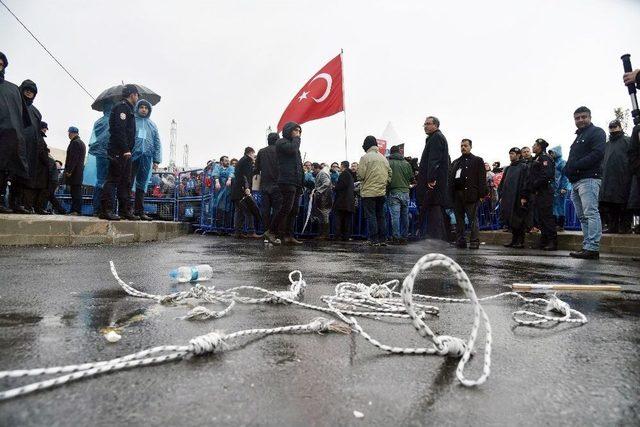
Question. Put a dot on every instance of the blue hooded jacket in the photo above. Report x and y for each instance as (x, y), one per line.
(561, 180)
(147, 137)
(99, 141)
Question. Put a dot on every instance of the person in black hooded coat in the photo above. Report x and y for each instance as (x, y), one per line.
(290, 180)
(14, 117)
(26, 194)
(512, 186)
(267, 167)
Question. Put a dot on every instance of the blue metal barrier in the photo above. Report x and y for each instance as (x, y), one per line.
(190, 196)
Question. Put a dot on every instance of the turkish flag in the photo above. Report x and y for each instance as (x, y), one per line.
(320, 97)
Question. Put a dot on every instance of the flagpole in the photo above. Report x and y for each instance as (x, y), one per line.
(344, 108)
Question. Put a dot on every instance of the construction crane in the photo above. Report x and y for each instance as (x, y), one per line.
(173, 143)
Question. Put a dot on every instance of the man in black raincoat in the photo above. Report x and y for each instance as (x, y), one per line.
(290, 180)
(122, 138)
(432, 189)
(39, 184)
(513, 212)
(616, 181)
(539, 193)
(14, 117)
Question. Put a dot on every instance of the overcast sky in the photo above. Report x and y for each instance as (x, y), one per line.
(500, 72)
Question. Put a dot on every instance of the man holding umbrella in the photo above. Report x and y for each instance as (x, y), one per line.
(122, 138)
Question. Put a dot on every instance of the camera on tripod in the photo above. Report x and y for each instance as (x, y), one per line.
(635, 112)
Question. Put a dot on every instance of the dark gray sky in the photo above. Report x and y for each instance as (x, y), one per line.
(500, 72)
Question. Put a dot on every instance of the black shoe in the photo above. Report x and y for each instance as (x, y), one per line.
(517, 245)
(109, 216)
(292, 241)
(461, 245)
(474, 245)
(5, 210)
(43, 212)
(143, 216)
(610, 230)
(130, 217)
(585, 254)
(272, 238)
(509, 245)
(382, 243)
(551, 247)
(21, 210)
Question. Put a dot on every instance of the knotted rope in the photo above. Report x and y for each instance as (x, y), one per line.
(349, 299)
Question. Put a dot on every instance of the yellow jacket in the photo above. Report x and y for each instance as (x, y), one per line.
(374, 174)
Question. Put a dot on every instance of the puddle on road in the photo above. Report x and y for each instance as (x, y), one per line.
(25, 318)
(18, 319)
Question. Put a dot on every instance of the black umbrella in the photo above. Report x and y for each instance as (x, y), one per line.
(114, 94)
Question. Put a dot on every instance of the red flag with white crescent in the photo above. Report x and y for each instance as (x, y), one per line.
(320, 97)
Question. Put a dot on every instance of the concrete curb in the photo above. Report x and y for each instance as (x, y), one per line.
(23, 230)
(624, 244)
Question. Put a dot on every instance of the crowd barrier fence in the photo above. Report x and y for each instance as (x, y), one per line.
(190, 196)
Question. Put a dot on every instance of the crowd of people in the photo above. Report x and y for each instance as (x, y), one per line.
(529, 193)
(601, 176)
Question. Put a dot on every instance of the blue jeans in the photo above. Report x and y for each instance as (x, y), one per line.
(399, 207)
(374, 213)
(585, 199)
(102, 169)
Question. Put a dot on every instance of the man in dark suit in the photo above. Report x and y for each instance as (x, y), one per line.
(74, 169)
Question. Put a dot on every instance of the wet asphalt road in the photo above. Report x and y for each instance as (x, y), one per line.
(54, 301)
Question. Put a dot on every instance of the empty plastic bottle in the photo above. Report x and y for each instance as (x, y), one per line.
(192, 274)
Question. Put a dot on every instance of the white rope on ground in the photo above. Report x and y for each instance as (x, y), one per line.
(213, 342)
(349, 299)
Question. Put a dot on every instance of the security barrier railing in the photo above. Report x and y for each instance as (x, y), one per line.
(190, 196)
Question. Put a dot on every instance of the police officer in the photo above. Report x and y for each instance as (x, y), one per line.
(539, 185)
(122, 138)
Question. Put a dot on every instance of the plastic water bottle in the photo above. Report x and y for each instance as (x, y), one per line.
(192, 274)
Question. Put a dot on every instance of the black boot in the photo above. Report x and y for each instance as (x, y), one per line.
(124, 211)
(324, 234)
(109, 216)
(139, 206)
